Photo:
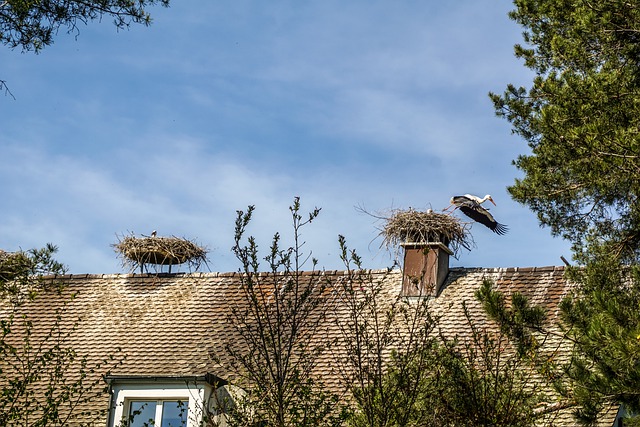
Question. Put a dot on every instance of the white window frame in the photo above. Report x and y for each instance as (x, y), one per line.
(195, 394)
(159, 408)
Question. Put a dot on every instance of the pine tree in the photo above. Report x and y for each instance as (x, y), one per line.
(602, 319)
(581, 120)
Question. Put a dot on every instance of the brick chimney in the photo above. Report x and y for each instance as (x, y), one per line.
(425, 268)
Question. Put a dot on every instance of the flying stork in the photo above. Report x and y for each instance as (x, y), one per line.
(470, 199)
(471, 206)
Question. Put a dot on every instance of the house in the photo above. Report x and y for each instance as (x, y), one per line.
(161, 329)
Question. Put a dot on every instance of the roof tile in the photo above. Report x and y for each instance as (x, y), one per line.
(169, 324)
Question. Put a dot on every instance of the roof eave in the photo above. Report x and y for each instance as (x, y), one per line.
(208, 378)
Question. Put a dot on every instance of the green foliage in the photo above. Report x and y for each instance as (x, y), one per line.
(387, 364)
(401, 371)
(43, 381)
(465, 381)
(31, 24)
(537, 344)
(397, 367)
(21, 273)
(276, 350)
(603, 319)
(487, 383)
(581, 119)
(518, 320)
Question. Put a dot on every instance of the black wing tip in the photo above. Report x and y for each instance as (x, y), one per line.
(500, 229)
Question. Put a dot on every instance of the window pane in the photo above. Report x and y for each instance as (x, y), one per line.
(142, 413)
(174, 413)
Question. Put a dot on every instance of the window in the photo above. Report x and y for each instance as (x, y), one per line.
(163, 413)
(160, 401)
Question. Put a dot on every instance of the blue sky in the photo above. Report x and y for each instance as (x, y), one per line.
(219, 105)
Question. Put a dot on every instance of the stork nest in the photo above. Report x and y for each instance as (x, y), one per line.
(404, 226)
(138, 251)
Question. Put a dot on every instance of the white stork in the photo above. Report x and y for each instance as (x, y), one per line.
(470, 199)
(471, 206)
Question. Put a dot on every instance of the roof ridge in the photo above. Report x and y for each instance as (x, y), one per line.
(210, 274)
(214, 274)
(512, 269)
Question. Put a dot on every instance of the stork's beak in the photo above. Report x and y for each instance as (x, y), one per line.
(491, 200)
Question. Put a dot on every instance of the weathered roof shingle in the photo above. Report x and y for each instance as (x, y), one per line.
(168, 325)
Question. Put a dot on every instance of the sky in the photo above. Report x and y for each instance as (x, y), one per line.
(218, 105)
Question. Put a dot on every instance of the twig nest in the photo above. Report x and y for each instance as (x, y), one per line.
(404, 226)
(137, 251)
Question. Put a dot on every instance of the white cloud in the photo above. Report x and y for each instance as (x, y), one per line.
(220, 105)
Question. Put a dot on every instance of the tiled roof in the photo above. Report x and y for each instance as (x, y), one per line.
(167, 325)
